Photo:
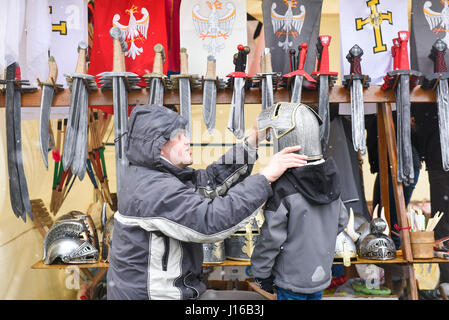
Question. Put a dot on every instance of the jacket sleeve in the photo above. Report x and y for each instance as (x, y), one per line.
(272, 235)
(234, 166)
(181, 213)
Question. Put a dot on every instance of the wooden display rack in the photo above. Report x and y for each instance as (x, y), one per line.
(337, 94)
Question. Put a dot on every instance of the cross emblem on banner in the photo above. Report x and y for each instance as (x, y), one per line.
(375, 19)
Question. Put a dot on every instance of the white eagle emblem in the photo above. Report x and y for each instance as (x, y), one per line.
(438, 21)
(288, 24)
(214, 27)
(135, 30)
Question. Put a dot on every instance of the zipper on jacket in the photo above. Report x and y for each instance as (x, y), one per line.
(190, 287)
(166, 252)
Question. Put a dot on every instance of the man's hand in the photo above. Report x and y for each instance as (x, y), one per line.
(282, 161)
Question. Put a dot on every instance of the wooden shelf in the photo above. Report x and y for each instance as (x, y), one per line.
(337, 94)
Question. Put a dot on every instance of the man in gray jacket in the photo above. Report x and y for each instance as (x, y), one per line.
(166, 210)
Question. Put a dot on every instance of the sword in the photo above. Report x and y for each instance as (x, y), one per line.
(210, 94)
(18, 189)
(121, 82)
(184, 92)
(402, 79)
(75, 143)
(48, 93)
(324, 75)
(236, 121)
(155, 80)
(439, 81)
(301, 78)
(355, 82)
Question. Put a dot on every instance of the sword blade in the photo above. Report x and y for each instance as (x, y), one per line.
(267, 91)
(79, 157)
(404, 131)
(18, 139)
(156, 91)
(48, 93)
(236, 121)
(209, 104)
(120, 103)
(357, 116)
(72, 125)
(185, 104)
(297, 89)
(13, 173)
(323, 110)
(443, 121)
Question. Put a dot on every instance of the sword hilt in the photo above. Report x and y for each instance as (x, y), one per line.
(291, 58)
(159, 59)
(52, 71)
(119, 47)
(211, 67)
(267, 61)
(437, 55)
(323, 56)
(240, 59)
(403, 50)
(395, 53)
(184, 58)
(302, 55)
(354, 58)
(82, 58)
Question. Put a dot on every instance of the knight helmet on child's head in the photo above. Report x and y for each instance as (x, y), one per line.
(293, 124)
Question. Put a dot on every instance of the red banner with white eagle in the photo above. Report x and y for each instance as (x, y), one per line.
(143, 24)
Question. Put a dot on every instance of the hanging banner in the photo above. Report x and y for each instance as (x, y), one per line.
(430, 21)
(143, 25)
(286, 25)
(69, 27)
(372, 25)
(172, 20)
(213, 28)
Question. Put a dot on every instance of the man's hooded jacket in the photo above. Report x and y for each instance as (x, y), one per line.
(165, 213)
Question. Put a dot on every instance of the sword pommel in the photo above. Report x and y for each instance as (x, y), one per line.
(82, 57)
(159, 58)
(117, 33)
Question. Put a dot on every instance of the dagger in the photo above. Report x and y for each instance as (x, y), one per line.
(355, 82)
(236, 121)
(326, 79)
(299, 74)
(155, 80)
(402, 79)
(184, 91)
(48, 93)
(439, 81)
(210, 94)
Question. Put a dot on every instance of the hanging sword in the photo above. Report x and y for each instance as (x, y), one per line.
(439, 81)
(236, 122)
(210, 94)
(301, 78)
(355, 82)
(185, 103)
(402, 80)
(156, 79)
(121, 83)
(326, 79)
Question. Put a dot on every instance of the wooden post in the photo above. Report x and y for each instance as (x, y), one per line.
(383, 165)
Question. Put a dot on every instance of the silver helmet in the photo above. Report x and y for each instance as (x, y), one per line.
(345, 248)
(67, 242)
(293, 124)
(377, 245)
(86, 220)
